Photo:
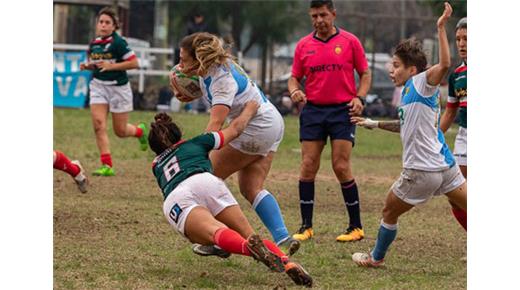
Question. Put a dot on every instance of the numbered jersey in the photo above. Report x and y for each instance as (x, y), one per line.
(424, 147)
(185, 159)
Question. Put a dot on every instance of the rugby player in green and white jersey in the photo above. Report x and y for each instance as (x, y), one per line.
(198, 204)
(457, 102)
(429, 168)
(109, 58)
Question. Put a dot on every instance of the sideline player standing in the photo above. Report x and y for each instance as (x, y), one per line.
(327, 58)
(429, 168)
(109, 58)
(458, 98)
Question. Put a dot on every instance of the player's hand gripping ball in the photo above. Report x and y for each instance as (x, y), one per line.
(186, 88)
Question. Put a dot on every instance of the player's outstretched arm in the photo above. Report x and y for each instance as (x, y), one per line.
(435, 74)
(392, 126)
(238, 125)
(447, 118)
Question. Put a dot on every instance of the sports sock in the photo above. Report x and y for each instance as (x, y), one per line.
(63, 163)
(269, 212)
(306, 189)
(106, 159)
(351, 197)
(273, 248)
(461, 217)
(385, 237)
(138, 132)
(231, 242)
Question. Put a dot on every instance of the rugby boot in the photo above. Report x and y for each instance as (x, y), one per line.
(80, 179)
(304, 233)
(261, 253)
(351, 235)
(366, 260)
(104, 170)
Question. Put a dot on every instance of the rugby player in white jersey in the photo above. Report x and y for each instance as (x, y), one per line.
(429, 168)
(227, 88)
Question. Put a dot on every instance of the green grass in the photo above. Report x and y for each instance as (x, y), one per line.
(115, 237)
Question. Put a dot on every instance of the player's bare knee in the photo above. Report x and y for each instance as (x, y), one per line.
(341, 168)
(309, 168)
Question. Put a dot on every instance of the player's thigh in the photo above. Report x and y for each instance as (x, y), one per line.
(454, 187)
(120, 98)
(312, 122)
(234, 218)
(252, 177)
(229, 160)
(200, 226)
(416, 186)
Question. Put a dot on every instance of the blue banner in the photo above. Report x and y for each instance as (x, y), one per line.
(70, 83)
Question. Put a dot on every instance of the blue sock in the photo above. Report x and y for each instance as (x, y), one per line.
(385, 237)
(269, 212)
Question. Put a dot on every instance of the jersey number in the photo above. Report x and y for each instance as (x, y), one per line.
(171, 168)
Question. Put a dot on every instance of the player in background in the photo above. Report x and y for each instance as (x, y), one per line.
(198, 204)
(328, 58)
(109, 58)
(429, 168)
(73, 168)
(227, 88)
(457, 98)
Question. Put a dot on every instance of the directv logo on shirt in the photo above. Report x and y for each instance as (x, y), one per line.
(326, 67)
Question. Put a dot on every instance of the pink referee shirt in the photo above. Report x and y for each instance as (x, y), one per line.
(329, 67)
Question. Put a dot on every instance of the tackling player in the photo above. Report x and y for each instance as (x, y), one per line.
(429, 168)
(227, 88)
(109, 58)
(198, 204)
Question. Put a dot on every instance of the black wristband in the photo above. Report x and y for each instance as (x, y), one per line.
(362, 99)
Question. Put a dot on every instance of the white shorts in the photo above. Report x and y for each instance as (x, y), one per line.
(263, 134)
(460, 152)
(416, 186)
(119, 98)
(202, 189)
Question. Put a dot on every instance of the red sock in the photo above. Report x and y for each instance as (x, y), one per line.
(138, 132)
(461, 217)
(274, 248)
(106, 159)
(63, 163)
(231, 242)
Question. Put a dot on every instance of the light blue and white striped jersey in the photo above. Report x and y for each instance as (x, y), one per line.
(424, 146)
(232, 87)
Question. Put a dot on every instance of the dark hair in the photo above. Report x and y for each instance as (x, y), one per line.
(320, 3)
(411, 54)
(111, 13)
(462, 24)
(163, 133)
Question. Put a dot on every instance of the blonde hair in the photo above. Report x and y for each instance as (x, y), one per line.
(207, 50)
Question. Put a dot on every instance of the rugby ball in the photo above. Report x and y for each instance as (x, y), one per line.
(184, 84)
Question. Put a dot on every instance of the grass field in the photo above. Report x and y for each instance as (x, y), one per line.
(116, 237)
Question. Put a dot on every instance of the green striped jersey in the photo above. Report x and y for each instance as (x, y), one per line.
(185, 159)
